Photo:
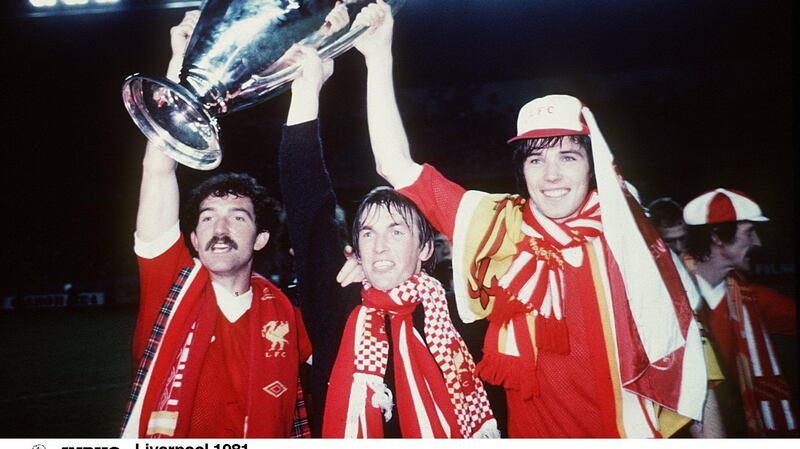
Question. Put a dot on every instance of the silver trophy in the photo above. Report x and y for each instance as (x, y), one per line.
(238, 56)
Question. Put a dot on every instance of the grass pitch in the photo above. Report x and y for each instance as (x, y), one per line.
(65, 373)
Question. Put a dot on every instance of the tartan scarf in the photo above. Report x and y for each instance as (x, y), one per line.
(153, 342)
(177, 349)
(766, 399)
(534, 283)
(438, 393)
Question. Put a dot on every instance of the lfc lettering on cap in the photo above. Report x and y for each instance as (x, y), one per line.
(541, 110)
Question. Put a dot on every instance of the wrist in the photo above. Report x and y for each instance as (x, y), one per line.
(305, 95)
(381, 59)
(156, 162)
(304, 107)
(174, 68)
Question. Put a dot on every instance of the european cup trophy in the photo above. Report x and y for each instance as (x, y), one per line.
(238, 56)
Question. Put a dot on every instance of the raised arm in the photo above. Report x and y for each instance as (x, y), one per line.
(304, 105)
(387, 135)
(158, 195)
(310, 204)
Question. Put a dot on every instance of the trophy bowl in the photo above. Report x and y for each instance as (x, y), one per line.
(238, 56)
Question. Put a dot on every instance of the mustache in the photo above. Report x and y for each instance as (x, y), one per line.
(224, 239)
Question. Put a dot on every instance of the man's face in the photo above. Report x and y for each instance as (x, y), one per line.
(558, 179)
(674, 236)
(442, 249)
(736, 253)
(389, 248)
(226, 234)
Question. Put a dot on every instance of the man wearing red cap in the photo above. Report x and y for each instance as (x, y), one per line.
(739, 315)
(589, 325)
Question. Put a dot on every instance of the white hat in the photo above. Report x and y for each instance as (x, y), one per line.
(721, 205)
(553, 115)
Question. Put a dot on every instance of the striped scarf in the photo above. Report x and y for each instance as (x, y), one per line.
(766, 398)
(534, 283)
(438, 393)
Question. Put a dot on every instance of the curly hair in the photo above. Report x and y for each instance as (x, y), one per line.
(268, 212)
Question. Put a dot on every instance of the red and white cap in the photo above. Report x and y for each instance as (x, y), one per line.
(721, 205)
(553, 115)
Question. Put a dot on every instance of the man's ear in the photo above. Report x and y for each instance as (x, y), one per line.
(195, 242)
(716, 241)
(426, 252)
(261, 241)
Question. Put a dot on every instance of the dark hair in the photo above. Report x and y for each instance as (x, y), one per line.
(698, 239)
(396, 203)
(526, 147)
(267, 210)
(665, 212)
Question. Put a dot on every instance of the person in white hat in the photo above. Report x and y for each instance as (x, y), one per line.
(589, 328)
(739, 315)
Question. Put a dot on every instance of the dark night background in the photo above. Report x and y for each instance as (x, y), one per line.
(691, 95)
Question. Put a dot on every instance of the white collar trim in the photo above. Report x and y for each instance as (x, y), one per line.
(712, 295)
(231, 305)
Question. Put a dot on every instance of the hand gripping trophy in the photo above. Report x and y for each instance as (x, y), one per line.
(240, 54)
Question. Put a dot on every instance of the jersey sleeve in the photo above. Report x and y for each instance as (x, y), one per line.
(778, 311)
(159, 263)
(437, 197)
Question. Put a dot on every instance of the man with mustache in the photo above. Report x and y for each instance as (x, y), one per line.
(387, 360)
(590, 329)
(739, 316)
(217, 347)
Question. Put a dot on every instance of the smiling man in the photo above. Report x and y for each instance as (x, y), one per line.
(589, 326)
(739, 315)
(388, 361)
(217, 347)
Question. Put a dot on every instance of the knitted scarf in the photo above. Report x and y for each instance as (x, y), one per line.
(531, 296)
(536, 277)
(438, 394)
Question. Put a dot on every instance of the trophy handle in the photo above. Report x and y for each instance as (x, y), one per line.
(170, 116)
(341, 45)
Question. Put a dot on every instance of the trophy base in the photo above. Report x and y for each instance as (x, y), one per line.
(170, 116)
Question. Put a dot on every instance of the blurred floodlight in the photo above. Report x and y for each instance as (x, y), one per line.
(51, 8)
(42, 3)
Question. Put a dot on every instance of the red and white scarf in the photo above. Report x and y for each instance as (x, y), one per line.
(766, 399)
(438, 393)
(164, 405)
(536, 277)
(765, 393)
